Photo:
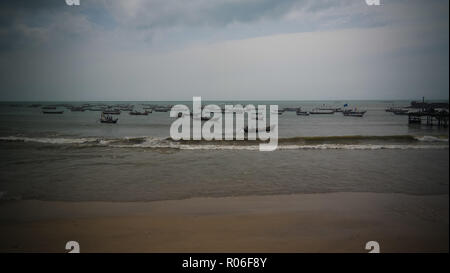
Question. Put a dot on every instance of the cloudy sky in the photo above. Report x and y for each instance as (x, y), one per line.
(223, 49)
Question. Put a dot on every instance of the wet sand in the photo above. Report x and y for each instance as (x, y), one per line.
(332, 222)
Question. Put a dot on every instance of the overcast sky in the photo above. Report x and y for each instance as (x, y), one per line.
(223, 49)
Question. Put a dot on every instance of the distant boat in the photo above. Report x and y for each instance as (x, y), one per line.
(108, 119)
(127, 109)
(299, 112)
(321, 112)
(401, 112)
(353, 113)
(329, 108)
(96, 109)
(161, 109)
(48, 108)
(291, 109)
(137, 113)
(111, 112)
(395, 109)
(52, 112)
(77, 109)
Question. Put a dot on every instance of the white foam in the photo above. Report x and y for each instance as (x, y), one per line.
(315, 147)
(152, 142)
(431, 139)
(50, 140)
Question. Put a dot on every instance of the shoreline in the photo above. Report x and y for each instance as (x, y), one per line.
(322, 222)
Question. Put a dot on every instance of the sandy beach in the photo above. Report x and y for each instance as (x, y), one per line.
(332, 222)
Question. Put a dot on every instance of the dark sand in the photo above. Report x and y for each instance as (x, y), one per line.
(333, 222)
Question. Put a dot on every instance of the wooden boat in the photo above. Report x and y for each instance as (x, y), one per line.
(321, 112)
(161, 109)
(291, 109)
(112, 112)
(390, 109)
(401, 112)
(334, 109)
(52, 112)
(299, 112)
(395, 109)
(77, 109)
(126, 109)
(108, 119)
(96, 109)
(353, 113)
(137, 113)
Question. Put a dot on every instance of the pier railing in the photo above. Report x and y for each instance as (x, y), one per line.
(432, 118)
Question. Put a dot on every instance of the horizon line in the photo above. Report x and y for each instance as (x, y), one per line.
(95, 100)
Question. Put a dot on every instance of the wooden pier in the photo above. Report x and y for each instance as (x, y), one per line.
(432, 118)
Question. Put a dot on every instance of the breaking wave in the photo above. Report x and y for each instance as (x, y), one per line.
(401, 142)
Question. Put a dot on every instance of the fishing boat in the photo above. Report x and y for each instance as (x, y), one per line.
(48, 108)
(299, 112)
(390, 109)
(137, 113)
(52, 112)
(353, 113)
(126, 109)
(394, 109)
(96, 109)
(401, 112)
(108, 119)
(291, 109)
(321, 112)
(330, 108)
(161, 109)
(112, 112)
(77, 109)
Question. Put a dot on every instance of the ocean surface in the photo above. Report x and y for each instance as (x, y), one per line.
(74, 157)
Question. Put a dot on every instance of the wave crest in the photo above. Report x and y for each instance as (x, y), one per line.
(295, 143)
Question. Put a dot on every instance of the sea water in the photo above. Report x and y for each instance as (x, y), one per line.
(75, 157)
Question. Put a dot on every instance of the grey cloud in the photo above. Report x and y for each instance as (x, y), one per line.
(31, 24)
(115, 47)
